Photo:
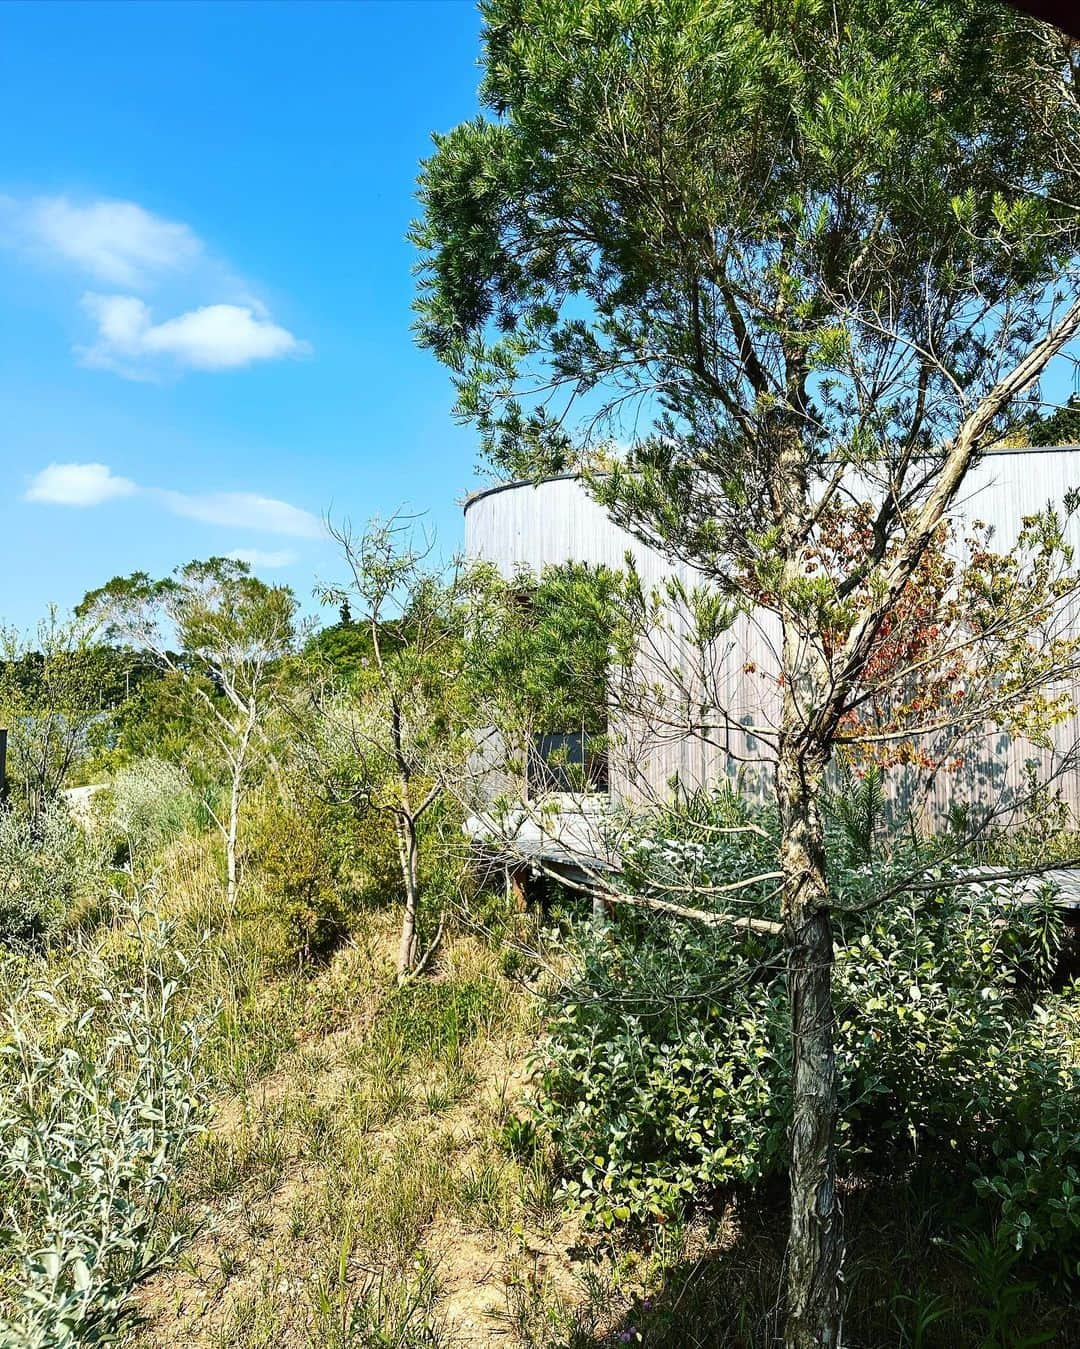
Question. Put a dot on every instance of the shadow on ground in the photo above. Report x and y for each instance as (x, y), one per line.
(916, 1277)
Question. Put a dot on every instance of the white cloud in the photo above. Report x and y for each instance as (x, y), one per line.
(217, 322)
(258, 557)
(118, 242)
(215, 337)
(78, 485)
(246, 510)
(93, 484)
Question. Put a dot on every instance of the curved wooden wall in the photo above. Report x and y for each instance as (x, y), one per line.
(528, 526)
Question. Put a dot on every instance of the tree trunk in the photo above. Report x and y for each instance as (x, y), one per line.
(231, 835)
(815, 1241)
(410, 871)
(239, 761)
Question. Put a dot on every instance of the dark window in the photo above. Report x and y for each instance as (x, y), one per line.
(567, 761)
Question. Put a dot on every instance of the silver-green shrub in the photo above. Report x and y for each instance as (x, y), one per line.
(149, 803)
(100, 1096)
(46, 864)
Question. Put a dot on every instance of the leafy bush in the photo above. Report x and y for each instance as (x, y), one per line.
(701, 844)
(46, 865)
(930, 994)
(316, 866)
(1031, 1172)
(297, 894)
(149, 803)
(99, 1097)
(368, 857)
(664, 1071)
(667, 1064)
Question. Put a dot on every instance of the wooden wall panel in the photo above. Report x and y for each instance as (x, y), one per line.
(530, 526)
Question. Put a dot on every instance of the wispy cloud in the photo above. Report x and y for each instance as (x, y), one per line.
(245, 510)
(217, 322)
(215, 337)
(258, 557)
(118, 242)
(85, 485)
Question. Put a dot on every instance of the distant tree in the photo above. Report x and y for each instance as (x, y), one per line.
(223, 638)
(395, 736)
(1061, 426)
(807, 257)
(344, 648)
(56, 686)
(155, 722)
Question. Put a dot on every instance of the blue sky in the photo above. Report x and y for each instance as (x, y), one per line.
(206, 288)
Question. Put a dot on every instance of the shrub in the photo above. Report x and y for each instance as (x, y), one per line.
(667, 1064)
(1031, 1171)
(365, 851)
(664, 1071)
(316, 865)
(46, 865)
(930, 995)
(149, 803)
(99, 1098)
(298, 892)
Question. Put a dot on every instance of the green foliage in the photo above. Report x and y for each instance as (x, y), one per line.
(395, 740)
(155, 722)
(858, 808)
(403, 714)
(148, 804)
(215, 611)
(300, 893)
(672, 198)
(1059, 427)
(212, 644)
(1032, 1177)
(1001, 1305)
(365, 847)
(236, 637)
(664, 1073)
(47, 865)
(543, 645)
(99, 1099)
(932, 993)
(58, 688)
(447, 1015)
(344, 648)
(667, 1064)
(317, 868)
(699, 846)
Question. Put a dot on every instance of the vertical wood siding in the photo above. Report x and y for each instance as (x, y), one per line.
(527, 526)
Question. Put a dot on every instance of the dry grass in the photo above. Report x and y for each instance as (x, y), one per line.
(358, 1192)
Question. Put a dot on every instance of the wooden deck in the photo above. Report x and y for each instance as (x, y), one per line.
(576, 839)
(567, 833)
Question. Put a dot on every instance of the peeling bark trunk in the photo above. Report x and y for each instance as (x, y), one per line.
(236, 797)
(231, 872)
(815, 1240)
(232, 835)
(410, 871)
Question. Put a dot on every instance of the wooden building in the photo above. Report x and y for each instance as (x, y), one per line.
(529, 526)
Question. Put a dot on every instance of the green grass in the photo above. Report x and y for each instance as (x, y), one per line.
(350, 1109)
(368, 1183)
